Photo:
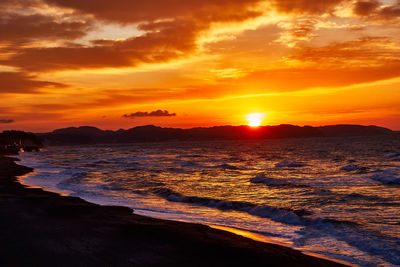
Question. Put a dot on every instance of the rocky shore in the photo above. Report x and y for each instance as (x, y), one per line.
(39, 228)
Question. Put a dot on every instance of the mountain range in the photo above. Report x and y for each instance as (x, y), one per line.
(151, 133)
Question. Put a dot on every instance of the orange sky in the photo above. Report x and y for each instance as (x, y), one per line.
(187, 63)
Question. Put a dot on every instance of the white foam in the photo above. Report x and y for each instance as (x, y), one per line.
(278, 215)
(375, 247)
(386, 178)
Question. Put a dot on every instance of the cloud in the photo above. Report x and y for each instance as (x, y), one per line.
(170, 32)
(18, 4)
(391, 11)
(373, 9)
(366, 50)
(123, 11)
(306, 6)
(297, 31)
(6, 120)
(365, 7)
(22, 28)
(19, 82)
(159, 46)
(319, 77)
(156, 113)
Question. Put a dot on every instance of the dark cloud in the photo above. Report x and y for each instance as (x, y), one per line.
(19, 82)
(124, 11)
(375, 10)
(156, 113)
(19, 4)
(171, 31)
(21, 28)
(173, 41)
(306, 6)
(391, 11)
(6, 120)
(365, 7)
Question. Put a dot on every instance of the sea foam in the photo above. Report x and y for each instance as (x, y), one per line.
(388, 178)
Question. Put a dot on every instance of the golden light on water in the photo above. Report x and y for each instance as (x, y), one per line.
(255, 119)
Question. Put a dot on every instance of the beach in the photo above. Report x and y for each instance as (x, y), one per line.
(40, 228)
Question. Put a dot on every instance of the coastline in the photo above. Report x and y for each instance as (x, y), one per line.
(48, 229)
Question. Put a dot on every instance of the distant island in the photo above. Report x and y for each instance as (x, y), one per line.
(151, 133)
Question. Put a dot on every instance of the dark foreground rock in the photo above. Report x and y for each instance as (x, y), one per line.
(39, 228)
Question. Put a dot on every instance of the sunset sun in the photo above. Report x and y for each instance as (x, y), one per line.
(255, 119)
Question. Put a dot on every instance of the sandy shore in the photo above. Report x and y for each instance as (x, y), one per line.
(39, 228)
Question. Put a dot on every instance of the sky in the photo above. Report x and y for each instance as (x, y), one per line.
(190, 63)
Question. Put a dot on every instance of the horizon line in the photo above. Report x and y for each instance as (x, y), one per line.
(251, 127)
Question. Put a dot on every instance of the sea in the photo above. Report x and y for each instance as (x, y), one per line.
(336, 197)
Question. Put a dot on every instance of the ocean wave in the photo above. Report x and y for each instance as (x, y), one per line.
(369, 241)
(131, 158)
(283, 215)
(189, 156)
(70, 171)
(74, 179)
(154, 170)
(318, 192)
(387, 178)
(226, 166)
(350, 167)
(188, 163)
(111, 186)
(357, 196)
(102, 161)
(289, 164)
(391, 155)
(261, 179)
(133, 169)
(179, 170)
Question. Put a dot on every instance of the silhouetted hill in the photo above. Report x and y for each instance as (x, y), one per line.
(353, 130)
(77, 135)
(151, 133)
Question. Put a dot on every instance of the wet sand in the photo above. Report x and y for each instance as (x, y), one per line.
(40, 228)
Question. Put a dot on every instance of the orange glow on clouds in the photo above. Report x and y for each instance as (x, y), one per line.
(71, 63)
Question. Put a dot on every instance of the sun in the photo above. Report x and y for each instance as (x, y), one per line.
(255, 119)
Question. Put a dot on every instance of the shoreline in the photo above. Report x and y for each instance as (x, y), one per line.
(265, 239)
(236, 231)
(51, 229)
